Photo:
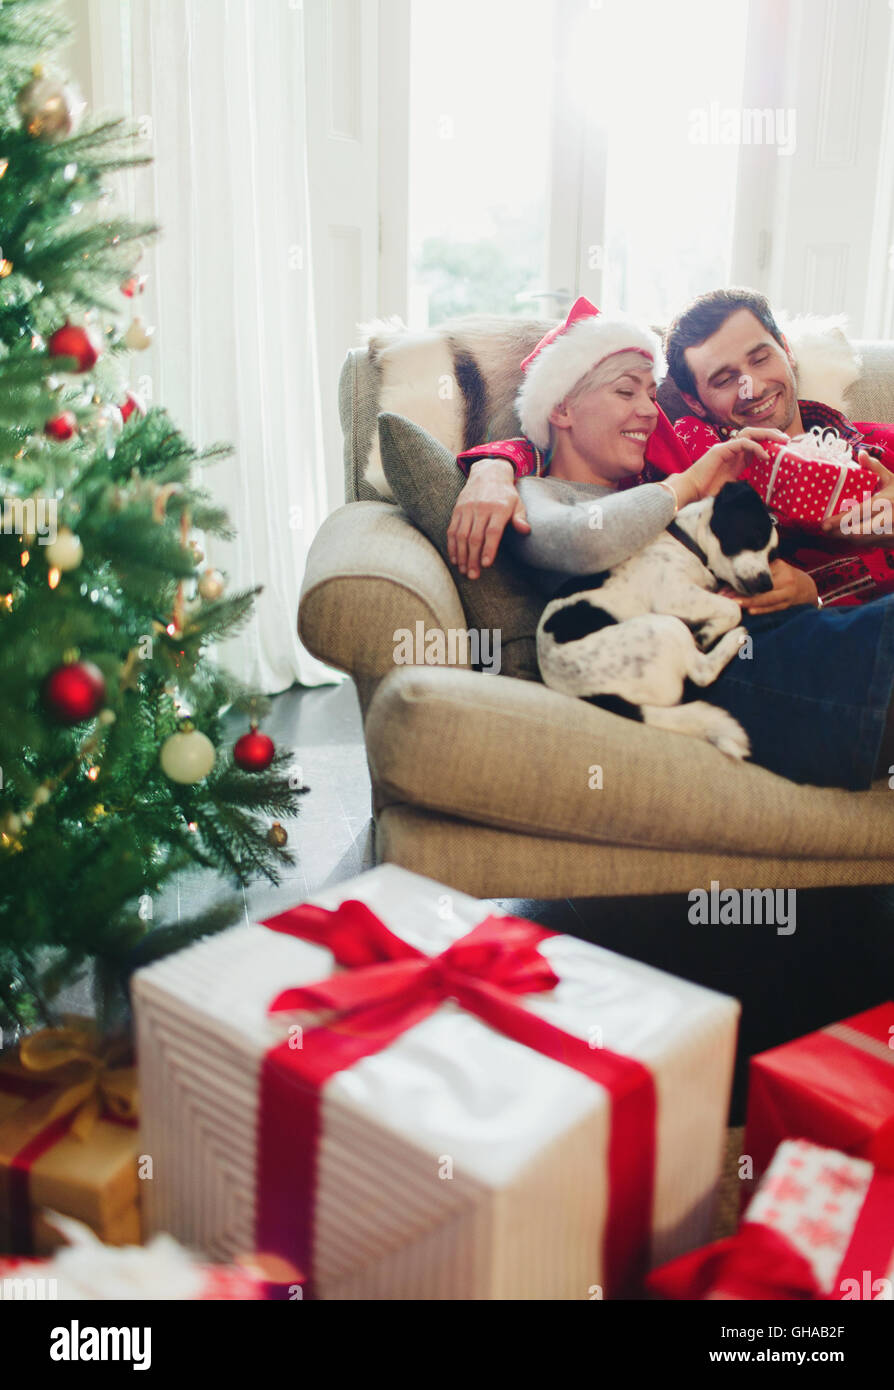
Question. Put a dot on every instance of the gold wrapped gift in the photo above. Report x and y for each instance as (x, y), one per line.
(68, 1139)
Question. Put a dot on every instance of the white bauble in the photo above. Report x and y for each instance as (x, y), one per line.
(187, 757)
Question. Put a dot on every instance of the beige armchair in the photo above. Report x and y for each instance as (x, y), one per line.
(503, 788)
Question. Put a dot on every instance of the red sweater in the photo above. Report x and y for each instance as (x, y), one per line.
(844, 572)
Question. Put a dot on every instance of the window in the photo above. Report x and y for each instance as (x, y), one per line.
(670, 93)
(562, 147)
(481, 77)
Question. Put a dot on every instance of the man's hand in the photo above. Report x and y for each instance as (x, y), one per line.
(761, 432)
(856, 524)
(484, 507)
(721, 464)
(790, 587)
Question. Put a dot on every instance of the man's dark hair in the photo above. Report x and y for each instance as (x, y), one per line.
(703, 317)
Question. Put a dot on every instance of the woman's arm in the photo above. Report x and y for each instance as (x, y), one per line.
(576, 534)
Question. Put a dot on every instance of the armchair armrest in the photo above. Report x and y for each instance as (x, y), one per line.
(369, 572)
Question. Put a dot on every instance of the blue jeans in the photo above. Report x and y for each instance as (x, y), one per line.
(814, 695)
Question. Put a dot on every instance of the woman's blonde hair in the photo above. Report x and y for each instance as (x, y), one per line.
(603, 374)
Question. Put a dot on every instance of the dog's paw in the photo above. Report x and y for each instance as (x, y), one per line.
(709, 632)
(734, 641)
(731, 739)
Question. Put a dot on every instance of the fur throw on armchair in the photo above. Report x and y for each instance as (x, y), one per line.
(459, 379)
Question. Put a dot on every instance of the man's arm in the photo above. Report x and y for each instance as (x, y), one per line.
(489, 501)
(485, 507)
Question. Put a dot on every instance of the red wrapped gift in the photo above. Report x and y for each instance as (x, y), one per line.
(821, 1226)
(834, 1087)
(811, 478)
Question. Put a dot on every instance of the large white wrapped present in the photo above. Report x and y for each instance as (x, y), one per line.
(457, 1163)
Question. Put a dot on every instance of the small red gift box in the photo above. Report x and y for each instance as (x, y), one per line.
(820, 1227)
(834, 1087)
(810, 479)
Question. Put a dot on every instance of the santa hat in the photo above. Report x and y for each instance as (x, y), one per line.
(568, 352)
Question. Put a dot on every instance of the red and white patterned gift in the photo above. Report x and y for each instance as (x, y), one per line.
(811, 478)
(820, 1227)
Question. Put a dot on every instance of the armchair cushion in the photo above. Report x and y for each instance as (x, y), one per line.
(524, 758)
(425, 480)
(369, 573)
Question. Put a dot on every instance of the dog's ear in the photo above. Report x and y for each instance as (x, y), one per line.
(740, 518)
(739, 494)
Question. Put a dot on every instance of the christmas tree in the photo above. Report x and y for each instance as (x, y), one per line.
(113, 772)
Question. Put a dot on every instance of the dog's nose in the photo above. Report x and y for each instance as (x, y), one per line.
(759, 584)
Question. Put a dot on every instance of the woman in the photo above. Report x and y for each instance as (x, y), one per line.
(814, 698)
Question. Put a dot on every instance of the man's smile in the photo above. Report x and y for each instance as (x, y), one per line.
(756, 412)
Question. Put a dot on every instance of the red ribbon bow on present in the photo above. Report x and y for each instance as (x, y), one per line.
(389, 987)
(761, 1263)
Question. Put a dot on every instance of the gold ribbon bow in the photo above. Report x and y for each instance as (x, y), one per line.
(92, 1078)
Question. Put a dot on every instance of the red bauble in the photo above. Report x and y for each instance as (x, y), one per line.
(254, 751)
(74, 692)
(133, 403)
(72, 341)
(61, 426)
(134, 284)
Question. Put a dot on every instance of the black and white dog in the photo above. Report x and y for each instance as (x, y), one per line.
(628, 639)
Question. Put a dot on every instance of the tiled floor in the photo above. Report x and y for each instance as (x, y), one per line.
(331, 838)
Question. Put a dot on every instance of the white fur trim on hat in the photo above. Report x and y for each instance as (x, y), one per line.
(560, 365)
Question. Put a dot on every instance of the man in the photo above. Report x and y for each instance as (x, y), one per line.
(734, 369)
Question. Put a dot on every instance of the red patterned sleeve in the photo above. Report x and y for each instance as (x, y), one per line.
(521, 453)
(879, 439)
(695, 435)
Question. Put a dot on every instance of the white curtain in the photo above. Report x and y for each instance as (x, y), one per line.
(219, 87)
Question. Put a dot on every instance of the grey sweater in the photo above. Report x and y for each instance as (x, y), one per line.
(581, 528)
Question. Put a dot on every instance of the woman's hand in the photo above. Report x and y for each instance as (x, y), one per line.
(487, 503)
(790, 587)
(721, 464)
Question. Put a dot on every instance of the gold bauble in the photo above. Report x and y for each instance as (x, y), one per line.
(50, 107)
(211, 585)
(66, 552)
